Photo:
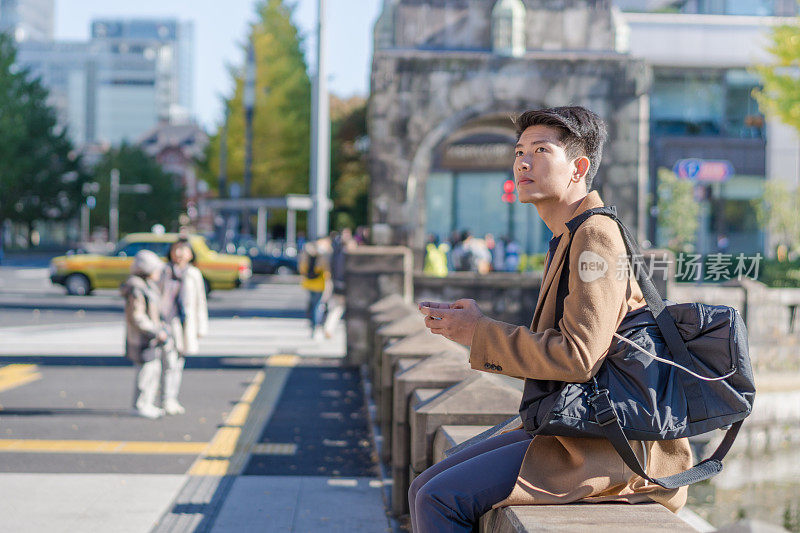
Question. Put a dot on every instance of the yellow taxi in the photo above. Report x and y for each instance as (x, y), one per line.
(82, 273)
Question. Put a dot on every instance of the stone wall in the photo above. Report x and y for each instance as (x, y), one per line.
(432, 402)
(508, 297)
(371, 273)
(466, 24)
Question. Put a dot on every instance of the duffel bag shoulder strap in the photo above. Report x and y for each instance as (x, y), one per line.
(609, 424)
(605, 415)
(697, 408)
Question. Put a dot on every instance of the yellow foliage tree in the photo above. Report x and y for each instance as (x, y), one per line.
(281, 123)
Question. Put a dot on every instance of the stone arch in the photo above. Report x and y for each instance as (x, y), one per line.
(422, 160)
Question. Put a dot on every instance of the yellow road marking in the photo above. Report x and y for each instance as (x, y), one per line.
(12, 376)
(210, 467)
(102, 446)
(10, 370)
(224, 442)
(238, 415)
(283, 360)
(215, 458)
(18, 381)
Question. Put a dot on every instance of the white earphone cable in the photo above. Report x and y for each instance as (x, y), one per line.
(676, 365)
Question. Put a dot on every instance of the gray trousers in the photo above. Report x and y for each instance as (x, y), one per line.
(451, 495)
(173, 373)
(149, 378)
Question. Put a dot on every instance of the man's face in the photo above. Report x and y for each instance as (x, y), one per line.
(542, 170)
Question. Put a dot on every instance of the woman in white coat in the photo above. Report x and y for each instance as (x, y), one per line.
(185, 312)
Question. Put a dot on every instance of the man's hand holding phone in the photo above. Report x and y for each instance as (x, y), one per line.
(455, 321)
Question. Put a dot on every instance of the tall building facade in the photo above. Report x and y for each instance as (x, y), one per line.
(27, 20)
(702, 109)
(130, 76)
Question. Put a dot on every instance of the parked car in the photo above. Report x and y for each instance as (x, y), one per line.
(277, 257)
(82, 273)
(274, 261)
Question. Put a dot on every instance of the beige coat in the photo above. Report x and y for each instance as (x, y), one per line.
(568, 469)
(142, 319)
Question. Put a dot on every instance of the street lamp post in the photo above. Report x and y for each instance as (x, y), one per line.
(223, 155)
(320, 136)
(113, 207)
(89, 189)
(249, 105)
(113, 210)
(223, 177)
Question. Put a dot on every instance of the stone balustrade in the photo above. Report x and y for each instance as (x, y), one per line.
(436, 372)
(430, 403)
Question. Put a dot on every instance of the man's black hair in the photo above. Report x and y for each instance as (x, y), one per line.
(582, 132)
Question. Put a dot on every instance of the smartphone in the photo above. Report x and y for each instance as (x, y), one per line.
(433, 317)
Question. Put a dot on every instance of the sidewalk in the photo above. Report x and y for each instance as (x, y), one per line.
(292, 455)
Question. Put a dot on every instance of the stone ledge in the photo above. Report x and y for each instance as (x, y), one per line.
(599, 518)
(386, 303)
(594, 517)
(447, 437)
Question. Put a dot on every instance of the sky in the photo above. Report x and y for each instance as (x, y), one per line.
(220, 27)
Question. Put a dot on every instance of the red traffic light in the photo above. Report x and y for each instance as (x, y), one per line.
(509, 197)
(508, 186)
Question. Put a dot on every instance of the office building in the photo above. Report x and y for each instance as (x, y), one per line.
(701, 107)
(130, 76)
(27, 20)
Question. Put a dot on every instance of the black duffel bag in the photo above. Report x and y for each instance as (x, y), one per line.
(674, 370)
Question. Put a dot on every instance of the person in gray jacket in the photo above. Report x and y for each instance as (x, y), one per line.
(145, 335)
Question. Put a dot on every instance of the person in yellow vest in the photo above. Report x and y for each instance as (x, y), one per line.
(435, 257)
(316, 275)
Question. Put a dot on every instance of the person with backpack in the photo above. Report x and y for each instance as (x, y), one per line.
(341, 243)
(315, 274)
(556, 157)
